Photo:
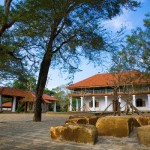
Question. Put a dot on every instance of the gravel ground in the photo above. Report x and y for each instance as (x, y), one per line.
(18, 131)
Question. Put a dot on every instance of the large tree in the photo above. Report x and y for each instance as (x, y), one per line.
(62, 33)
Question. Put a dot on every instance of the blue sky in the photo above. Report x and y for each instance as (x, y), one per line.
(130, 19)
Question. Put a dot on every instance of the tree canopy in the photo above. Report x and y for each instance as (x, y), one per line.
(135, 53)
(62, 33)
(26, 83)
(13, 58)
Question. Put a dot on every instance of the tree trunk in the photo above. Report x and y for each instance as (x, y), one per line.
(44, 68)
(116, 104)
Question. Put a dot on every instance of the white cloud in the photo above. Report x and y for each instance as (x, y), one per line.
(118, 22)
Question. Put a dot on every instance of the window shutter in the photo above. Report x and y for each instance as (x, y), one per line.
(97, 104)
(90, 104)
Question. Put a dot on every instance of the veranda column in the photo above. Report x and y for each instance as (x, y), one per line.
(70, 104)
(14, 105)
(0, 102)
(81, 103)
(54, 106)
(77, 105)
(119, 97)
(106, 101)
(148, 101)
(93, 98)
(133, 100)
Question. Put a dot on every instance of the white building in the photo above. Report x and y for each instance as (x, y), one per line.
(96, 93)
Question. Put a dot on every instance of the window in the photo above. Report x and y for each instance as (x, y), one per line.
(140, 102)
(91, 104)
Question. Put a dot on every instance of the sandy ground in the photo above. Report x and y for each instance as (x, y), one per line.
(18, 131)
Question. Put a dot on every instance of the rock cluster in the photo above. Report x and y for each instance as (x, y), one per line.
(86, 129)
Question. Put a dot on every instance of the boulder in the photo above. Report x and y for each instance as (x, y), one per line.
(115, 126)
(141, 121)
(92, 120)
(77, 121)
(82, 120)
(76, 116)
(75, 133)
(143, 134)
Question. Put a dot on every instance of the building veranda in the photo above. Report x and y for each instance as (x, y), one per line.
(96, 93)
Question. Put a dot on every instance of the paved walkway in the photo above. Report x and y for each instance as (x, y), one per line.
(19, 132)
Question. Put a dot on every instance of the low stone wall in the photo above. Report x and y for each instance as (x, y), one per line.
(76, 133)
(143, 134)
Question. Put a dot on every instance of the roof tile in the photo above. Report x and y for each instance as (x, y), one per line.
(110, 79)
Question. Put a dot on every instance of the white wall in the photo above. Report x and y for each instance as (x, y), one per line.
(101, 101)
(110, 98)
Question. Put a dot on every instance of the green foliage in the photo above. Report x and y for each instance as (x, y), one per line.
(137, 50)
(49, 92)
(13, 59)
(135, 54)
(62, 95)
(25, 83)
(73, 28)
(20, 108)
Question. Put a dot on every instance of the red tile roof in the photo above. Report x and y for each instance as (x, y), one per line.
(111, 79)
(12, 92)
(46, 101)
(7, 105)
(50, 98)
(26, 95)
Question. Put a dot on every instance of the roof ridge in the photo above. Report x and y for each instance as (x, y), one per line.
(105, 79)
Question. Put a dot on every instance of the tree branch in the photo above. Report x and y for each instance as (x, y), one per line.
(63, 43)
(7, 4)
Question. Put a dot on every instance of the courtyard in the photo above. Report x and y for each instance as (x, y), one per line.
(18, 131)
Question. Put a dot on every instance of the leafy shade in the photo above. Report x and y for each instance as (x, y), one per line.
(13, 59)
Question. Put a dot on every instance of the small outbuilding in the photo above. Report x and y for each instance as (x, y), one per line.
(13, 99)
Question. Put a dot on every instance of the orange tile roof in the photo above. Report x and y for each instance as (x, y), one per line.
(12, 92)
(7, 105)
(26, 95)
(47, 97)
(111, 79)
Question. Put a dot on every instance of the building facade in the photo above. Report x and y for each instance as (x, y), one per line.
(14, 99)
(96, 93)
